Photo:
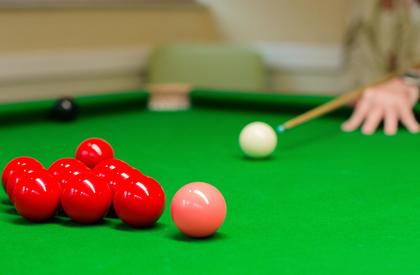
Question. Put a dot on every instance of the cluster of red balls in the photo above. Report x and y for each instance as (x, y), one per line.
(85, 187)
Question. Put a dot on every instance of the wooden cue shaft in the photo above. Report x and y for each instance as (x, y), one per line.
(333, 104)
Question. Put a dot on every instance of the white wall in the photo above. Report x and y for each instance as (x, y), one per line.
(301, 39)
(308, 21)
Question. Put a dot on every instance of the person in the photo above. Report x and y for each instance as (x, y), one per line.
(384, 37)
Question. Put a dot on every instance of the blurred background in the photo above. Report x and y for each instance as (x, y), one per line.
(51, 48)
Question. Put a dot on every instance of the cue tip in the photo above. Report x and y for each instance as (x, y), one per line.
(281, 129)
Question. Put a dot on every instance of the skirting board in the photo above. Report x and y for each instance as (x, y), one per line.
(67, 87)
(71, 64)
(298, 57)
(48, 74)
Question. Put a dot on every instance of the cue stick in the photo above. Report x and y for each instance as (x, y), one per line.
(333, 104)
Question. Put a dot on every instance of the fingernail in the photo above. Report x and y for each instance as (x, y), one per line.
(367, 132)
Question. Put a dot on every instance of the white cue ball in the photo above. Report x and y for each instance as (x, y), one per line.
(258, 140)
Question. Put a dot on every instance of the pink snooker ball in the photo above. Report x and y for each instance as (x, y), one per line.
(198, 209)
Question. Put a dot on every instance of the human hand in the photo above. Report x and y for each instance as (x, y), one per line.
(391, 102)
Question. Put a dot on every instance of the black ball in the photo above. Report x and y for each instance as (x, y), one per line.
(65, 109)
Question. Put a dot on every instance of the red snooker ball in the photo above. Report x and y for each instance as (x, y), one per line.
(14, 179)
(37, 196)
(86, 198)
(94, 150)
(17, 164)
(115, 172)
(64, 168)
(141, 203)
(17, 177)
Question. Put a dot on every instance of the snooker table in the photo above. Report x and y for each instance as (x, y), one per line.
(326, 202)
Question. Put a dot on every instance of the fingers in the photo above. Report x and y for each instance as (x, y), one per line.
(372, 121)
(391, 102)
(357, 117)
(407, 118)
(390, 122)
